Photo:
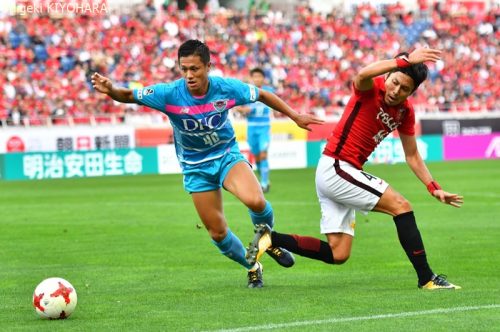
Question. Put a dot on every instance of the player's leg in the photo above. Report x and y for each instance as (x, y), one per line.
(338, 197)
(264, 139)
(264, 171)
(307, 246)
(337, 223)
(253, 145)
(399, 208)
(209, 207)
(372, 193)
(242, 183)
(394, 204)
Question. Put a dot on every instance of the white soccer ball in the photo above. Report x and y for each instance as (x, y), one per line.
(54, 298)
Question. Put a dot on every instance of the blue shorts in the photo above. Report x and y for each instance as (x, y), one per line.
(210, 175)
(258, 139)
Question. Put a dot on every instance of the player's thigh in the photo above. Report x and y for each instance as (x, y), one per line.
(392, 203)
(208, 204)
(242, 183)
(345, 184)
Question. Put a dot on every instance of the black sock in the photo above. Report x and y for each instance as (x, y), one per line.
(304, 246)
(411, 241)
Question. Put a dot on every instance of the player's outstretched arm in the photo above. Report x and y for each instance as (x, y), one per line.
(105, 86)
(417, 165)
(276, 103)
(364, 79)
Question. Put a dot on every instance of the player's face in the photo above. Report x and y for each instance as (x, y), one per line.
(257, 79)
(196, 74)
(398, 87)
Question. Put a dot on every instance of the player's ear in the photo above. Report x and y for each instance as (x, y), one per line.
(209, 66)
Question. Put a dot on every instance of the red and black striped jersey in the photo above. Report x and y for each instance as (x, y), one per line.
(366, 121)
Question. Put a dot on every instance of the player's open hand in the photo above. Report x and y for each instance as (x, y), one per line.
(304, 120)
(101, 83)
(424, 54)
(448, 198)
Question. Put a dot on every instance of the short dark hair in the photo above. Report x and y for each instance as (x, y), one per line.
(418, 72)
(257, 70)
(194, 47)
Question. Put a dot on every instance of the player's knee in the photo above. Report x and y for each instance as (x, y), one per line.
(341, 257)
(257, 203)
(217, 234)
(404, 206)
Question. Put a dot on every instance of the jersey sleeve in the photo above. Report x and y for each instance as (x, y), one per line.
(407, 126)
(244, 93)
(153, 96)
(363, 93)
(378, 84)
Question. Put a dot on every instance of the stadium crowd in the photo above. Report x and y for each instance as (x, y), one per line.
(46, 62)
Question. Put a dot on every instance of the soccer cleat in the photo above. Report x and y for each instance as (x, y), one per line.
(255, 277)
(259, 244)
(282, 256)
(439, 282)
(265, 189)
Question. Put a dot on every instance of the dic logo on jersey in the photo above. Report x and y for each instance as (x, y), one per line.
(209, 122)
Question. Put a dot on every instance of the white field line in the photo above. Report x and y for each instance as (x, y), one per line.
(359, 318)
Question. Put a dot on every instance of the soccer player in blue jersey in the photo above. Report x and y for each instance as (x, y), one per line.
(259, 128)
(197, 106)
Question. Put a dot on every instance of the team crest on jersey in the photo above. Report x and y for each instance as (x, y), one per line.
(185, 110)
(220, 105)
(148, 92)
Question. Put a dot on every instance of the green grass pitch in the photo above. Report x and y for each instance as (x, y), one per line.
(131, 248)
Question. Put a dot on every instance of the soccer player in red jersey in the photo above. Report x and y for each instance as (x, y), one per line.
(377, 107)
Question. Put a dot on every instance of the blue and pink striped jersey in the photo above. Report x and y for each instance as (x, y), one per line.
(202, 130)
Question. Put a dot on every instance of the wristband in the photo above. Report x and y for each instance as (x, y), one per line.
(432, 186)
(402, 62)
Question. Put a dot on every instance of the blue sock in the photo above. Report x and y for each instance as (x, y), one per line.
(264, 173)
(264, 217)
(232, 248)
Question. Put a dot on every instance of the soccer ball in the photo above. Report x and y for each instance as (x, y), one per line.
(54, 298)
